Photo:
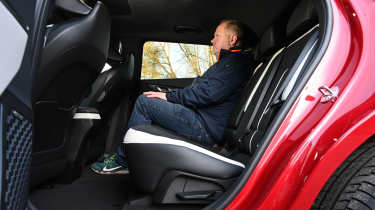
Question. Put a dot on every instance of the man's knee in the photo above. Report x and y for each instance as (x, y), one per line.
(141, 99)
(144, 102)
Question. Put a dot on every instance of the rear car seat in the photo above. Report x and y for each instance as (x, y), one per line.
(265, 52)
(177, 170)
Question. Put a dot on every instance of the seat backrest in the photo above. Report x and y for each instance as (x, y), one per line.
(75, 50)
(288, 64)
(270, 42)
(119, 77)
(295, 57)
(74, 54)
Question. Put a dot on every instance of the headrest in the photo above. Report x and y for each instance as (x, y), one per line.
(270, 41)
(302, 19)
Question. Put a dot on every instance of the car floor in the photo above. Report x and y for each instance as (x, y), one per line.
(93, 192)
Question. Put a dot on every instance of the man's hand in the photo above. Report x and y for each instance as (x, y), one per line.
(160, 95)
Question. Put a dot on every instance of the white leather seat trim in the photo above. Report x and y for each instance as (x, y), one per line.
(140, 137)
(86, 116)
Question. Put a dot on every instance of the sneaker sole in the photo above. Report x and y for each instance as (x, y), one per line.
(122, 172)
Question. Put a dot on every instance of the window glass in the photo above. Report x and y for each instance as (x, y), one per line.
(164, 60)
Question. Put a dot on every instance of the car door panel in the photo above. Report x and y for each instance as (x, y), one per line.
(20, 42)
(15, 34)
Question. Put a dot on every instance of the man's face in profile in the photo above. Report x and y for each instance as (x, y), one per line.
(223, 39)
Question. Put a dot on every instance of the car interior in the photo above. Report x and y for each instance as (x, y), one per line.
(80, 112)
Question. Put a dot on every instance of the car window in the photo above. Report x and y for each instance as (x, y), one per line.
(165, 60)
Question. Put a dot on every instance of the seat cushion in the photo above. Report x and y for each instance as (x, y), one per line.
(152, 151)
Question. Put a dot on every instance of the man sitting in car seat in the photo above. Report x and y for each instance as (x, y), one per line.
(200, 111)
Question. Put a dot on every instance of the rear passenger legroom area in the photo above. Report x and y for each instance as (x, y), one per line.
(175, 170)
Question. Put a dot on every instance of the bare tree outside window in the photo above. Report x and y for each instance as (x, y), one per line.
(163, 60)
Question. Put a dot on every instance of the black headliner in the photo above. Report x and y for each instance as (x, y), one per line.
(156, 19)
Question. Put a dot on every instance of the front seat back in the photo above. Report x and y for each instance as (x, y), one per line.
(75, 51)
(111, 95)
(74, 54)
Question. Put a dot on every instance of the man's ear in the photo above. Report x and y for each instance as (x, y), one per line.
(233, 40)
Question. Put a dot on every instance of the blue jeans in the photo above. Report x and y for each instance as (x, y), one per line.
(175, 117)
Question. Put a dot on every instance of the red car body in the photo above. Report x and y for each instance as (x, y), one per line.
(315, 137)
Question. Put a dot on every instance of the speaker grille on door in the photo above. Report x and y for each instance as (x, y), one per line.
(17, 159)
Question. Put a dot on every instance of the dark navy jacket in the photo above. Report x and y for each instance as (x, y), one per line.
(214, 95)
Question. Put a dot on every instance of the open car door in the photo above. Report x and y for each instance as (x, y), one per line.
(21, 40)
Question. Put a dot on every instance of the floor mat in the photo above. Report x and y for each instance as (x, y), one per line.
(90, 192)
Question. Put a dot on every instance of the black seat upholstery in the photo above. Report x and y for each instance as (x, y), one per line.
(117, 79)
(75, 52)
(154, 154)
(111, 95)
(168, 144)
(270, 42)
(252, 128)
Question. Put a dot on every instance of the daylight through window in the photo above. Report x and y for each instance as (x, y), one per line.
(164, 60)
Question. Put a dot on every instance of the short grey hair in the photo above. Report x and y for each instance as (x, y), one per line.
(246, 38)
